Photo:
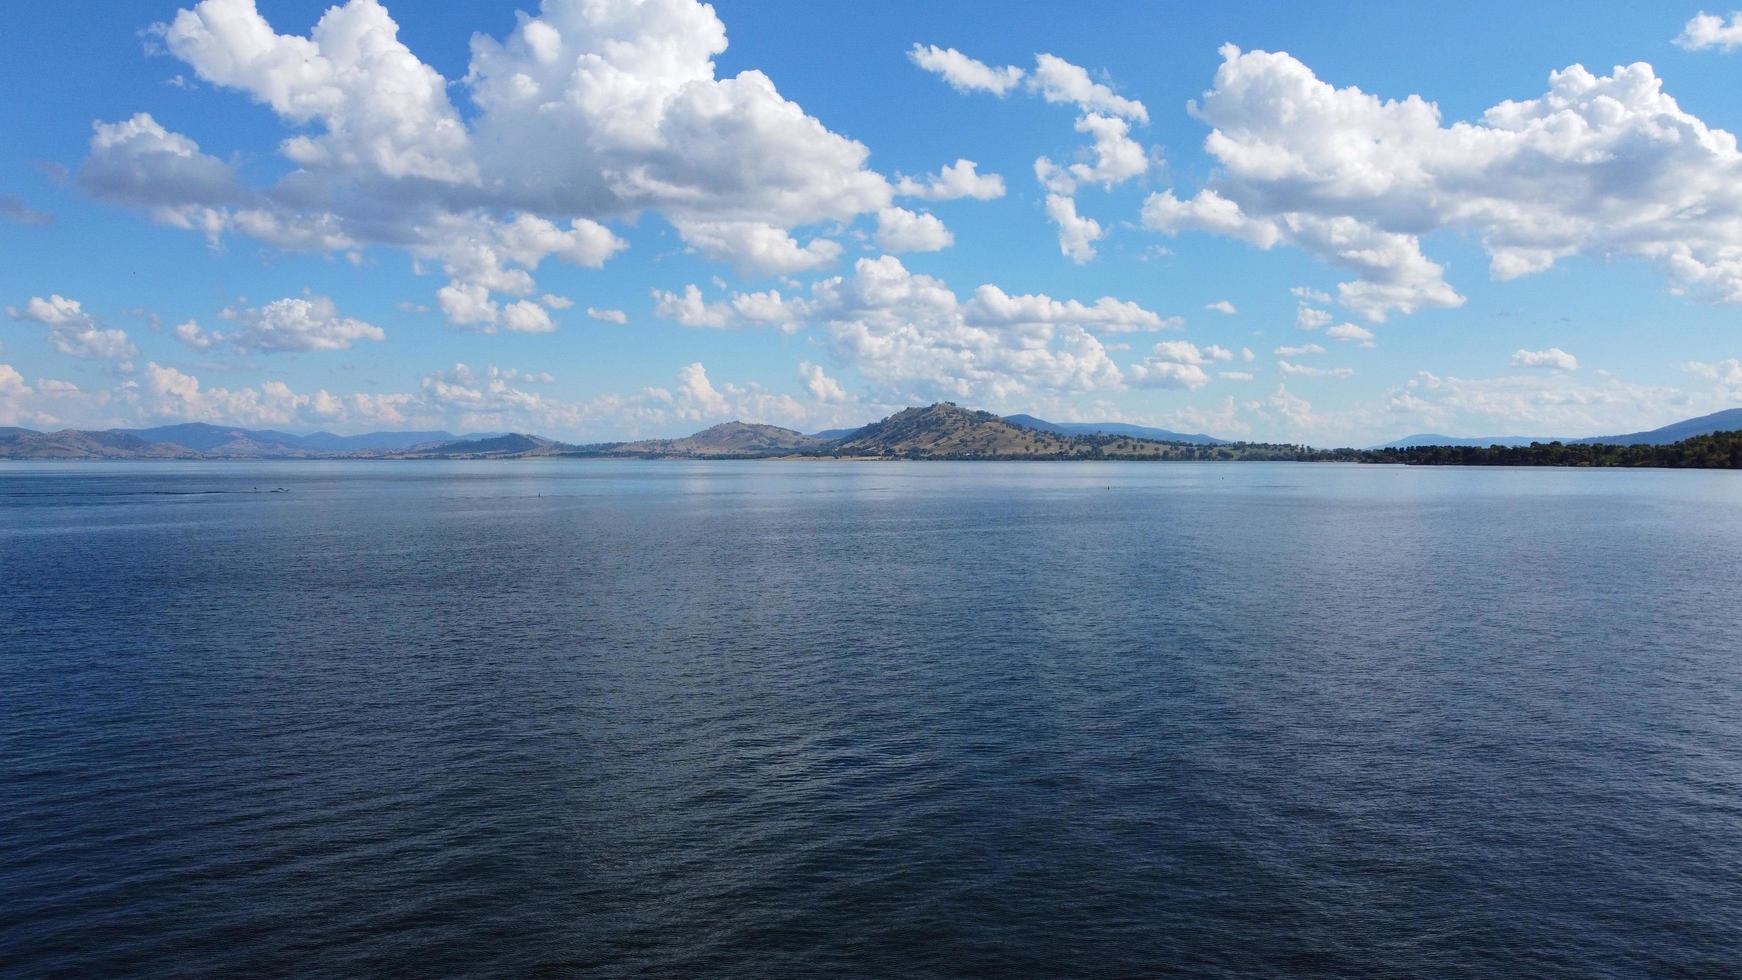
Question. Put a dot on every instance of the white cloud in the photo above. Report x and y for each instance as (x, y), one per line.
(1223, 307)
(1707, 31)
(1310, 294)
(1309, 318)
(293, 324)
(1726, 373)
(1599, 165)
(901, 230)
(555, 302)
(1553, 359)
(584, 114)
(1057, 80)
(190, 333)
(1290, 369)
(1235, 375)
(1175, 364)
(170, 393)
(72, 331)
(690, 310)
(965, 74)
(1298, 351)
(822, 387)
(767, 308)
(525, 316)
(1077, 234)
(955, 181)
(608, 315)
(1118, 158)
(909, 334)
(758, 249)
(1350, 333)
(992, 306)
(1293, 411)
(1552, 404)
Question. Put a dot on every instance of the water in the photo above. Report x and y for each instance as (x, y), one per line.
(765, 719)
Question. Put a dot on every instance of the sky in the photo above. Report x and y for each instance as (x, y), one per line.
(607, 219)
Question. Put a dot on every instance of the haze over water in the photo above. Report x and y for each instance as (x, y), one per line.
(768, 719)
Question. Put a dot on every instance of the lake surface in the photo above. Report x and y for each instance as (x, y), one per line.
(862, 719)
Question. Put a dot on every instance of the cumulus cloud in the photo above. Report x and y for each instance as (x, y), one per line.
(1553, 359)
(310, 323)
(822, 387)
(586, 113)
(1297, 351)
(1112, 158)
(1057, 80)
(1706, 31)
(170, 393)
(965, 74)
(958, 180)
(992, 306)
(1599, 165)
(1547, 404)
(1726, 373)
(1117, 158)
(1350, 333)
(72, 331)
(757, 248)
(901, 230)
(1175, 364)
(1291, 369)
(608, 315)
(910, 335)
(689, 309)
(1311, 318)
(193, 335)
(1223, 307)
(1077, 233)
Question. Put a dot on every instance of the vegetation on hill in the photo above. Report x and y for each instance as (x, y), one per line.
(1718, 450)
(948, 431)
(944, 431)
(728, 439)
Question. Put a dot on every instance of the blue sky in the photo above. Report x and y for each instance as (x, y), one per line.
(402, 217)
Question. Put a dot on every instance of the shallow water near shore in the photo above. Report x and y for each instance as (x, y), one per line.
(622, 718)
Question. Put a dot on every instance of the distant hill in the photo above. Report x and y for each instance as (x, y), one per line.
(511, 445)
(948, 431)
(1435, 439)
(727, 439)
(1112, 429)
(234, 440)
(76, 444)
(1728, 420)
(1725, 421)
(831, 435)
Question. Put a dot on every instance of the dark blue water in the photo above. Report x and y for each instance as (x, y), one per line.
(764, 719)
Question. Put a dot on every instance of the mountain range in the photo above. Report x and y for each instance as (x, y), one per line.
(940, 431)
(1728, 420)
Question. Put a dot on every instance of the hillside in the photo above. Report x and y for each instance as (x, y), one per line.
(1728, 420)
(76, 444)
(726, 439)
(513, 445)
(1112, 429)
(948, 431)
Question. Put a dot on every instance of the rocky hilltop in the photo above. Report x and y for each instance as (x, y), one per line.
(948, 431)
(728, 439)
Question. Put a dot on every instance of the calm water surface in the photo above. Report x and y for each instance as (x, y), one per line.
(765, 719)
